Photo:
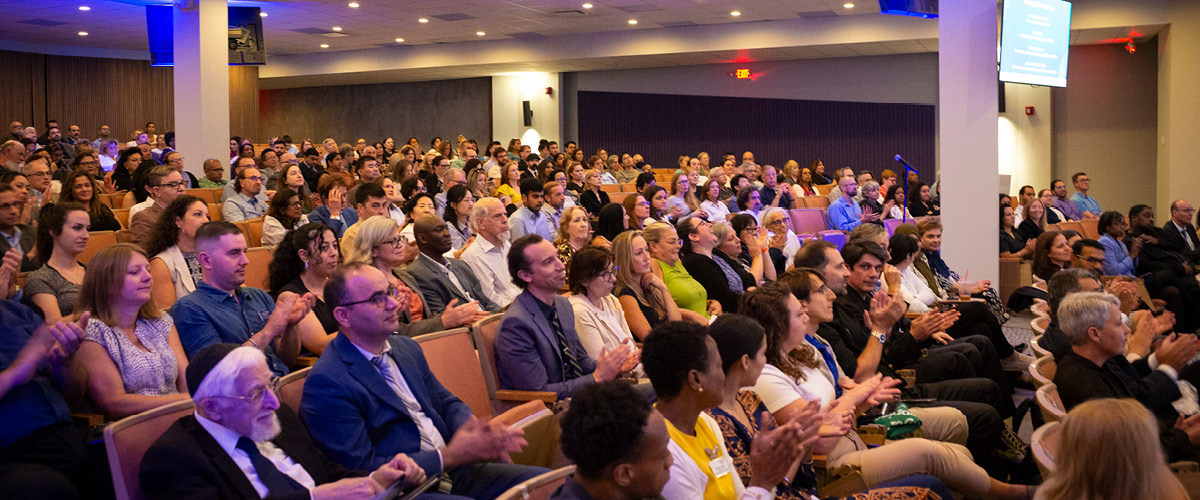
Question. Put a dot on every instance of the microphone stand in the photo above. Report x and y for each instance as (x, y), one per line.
(907, 168)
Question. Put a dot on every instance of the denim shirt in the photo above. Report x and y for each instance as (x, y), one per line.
(36, 403)
(210, 316)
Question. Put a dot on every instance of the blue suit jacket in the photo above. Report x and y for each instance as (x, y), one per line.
(360, 422)
(527, 355)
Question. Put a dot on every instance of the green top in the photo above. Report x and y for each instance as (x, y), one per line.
(205, 183)
(687, 292)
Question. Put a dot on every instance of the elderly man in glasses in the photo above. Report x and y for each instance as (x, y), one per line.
(164, 184)
(241, 443)
(246, 203)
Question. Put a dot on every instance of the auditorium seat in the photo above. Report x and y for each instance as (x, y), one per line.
(891, 225)
(1072, 225)
(808, 220)
(619, 197)
(254, 233)
(1042, 370)
(129, 200)
(214, 212)
(127, 440)
(483, 332)
(1044, 445)
(833, 236)
(291, 387)
(1039, 325)
(824, 189)
(611, 188)
(540, 487)
(815, 201)
(1050, 403)
(1038, 351)
(256, 270)
(1091, 228)
(96, 241)
(205, 194)
(122, 215)
(449, 354)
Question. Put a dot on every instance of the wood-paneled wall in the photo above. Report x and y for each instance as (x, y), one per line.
(375, 112)
(243, 103)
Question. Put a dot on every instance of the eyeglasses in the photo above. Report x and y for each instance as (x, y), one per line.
(378, 298)
(253, 178)
(296, 204)
(396, 242)
(172, 184)
(88, 163)
(258, 394)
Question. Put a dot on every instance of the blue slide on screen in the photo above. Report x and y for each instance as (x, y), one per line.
(1034, 40)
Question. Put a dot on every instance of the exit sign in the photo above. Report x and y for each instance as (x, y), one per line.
(741, 73)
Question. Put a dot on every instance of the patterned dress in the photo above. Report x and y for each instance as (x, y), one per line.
(152, 372)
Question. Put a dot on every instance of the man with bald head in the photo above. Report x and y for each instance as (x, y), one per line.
(444, 282)
(1180, 234)
(488, 255)
(12, 155)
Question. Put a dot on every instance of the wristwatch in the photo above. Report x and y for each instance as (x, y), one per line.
(881, 336)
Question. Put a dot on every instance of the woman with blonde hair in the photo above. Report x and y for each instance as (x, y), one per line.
(574, 233)
(688, 294)
(1127, 462)
(645, 299)
(132, 353)
(790, 173)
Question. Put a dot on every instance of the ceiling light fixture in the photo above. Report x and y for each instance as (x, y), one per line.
(422, 20)
(83, 33)
(480, 33)
(353, 5)
(400, 40)
(848, 5)
(336, 28)
(633, 21)
(735, 13)
(324, 45)
(587, 5)
(84, 8)
(262, 14)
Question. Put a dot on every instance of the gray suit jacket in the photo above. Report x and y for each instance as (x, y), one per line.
(429, 323)
(527, 353)
(28, 240)
(437, 289)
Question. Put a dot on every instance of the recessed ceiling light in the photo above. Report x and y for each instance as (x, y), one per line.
(353, 5)
(633, 21)
(848, 5)
(587, 5)
(480, 33)
(84, 8)
(422, 20)
(83, 33)
(324, 45)
(735, 13)
(336, 28)
(262, 14)
(400, 40)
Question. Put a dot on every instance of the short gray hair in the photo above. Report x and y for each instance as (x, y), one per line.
(1080, 311)
(1063, 283)
(481, 209)
(867, 186)
(220, 381)
(721, 229)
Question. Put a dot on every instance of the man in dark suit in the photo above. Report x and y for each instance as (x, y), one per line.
(537, 348)
(443, 282)
(372, 395)
(1179, 235)
(1096, 368)
(13, 234)
(311, 168)
(241, 443)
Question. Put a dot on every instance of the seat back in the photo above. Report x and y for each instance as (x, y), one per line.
(1091, 228)
(836, 237)
(484, 334)
(1039, 351)
(96, 241)
(1042, 371)
(1071, 225)
(540, 487)
(256, 271)
(129, 200)
(825, 189)
(1039, 325)
(122, 216)
(542, 434)
(1041, 308)
(891, 225)
(205, 194)
(1050, 403)
(815, 201)
(808, 220)
(214, 212)
(291, 387)
(1044, 445)
(452, 359)
(254, 235)
(127, 440)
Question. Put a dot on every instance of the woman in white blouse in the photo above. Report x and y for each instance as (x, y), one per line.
(599, 317)
(779, 226)
(717, 210)
(173, 264)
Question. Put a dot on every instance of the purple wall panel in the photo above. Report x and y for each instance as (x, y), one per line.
(844, 134)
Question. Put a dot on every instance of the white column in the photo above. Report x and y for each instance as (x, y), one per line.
(201, 82)
(1178, 98)
(508, 92)
(967, 138)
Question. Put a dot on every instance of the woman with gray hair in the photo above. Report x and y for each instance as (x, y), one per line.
(868, 198)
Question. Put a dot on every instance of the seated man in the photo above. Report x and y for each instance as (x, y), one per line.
(164, 184)
(222, 310)
(241, 443)
(333, 211)
(1088, 254)
(1096, 367)
(529, 219)
(537, 348)
(246, 204)
(369, 200)
(367, 169)
(231, 188)
(13, 234)
(371, 396)
(845, 214)
(43, 454)
(488, 256)
(443, 282)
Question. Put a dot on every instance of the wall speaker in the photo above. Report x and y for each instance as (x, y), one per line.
(527, 113)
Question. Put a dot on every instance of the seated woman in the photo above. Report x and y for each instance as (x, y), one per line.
(62, 234)
(729, 246)
(868, 200)
(131, 351)
(599, 317)
(395, 204)
(920, 202)
(285, 214)
(899, 210)
(657, 196)
(613, 221)
(804, 186)
(643, 295)
(778, 223)
(742, 345)
(593, 198)
(333, 211)
(417, 206)
(637, 209)
(509, 191)
(173, 249)
(1086, 468)
(754, 243)
(1011, 242)
(687, 293)
(1034, 223)
(1051, 254)
(930, 233)
(292, 178)
(80, 187)
(713, 205)
(682, 201)
(685, 369)
(459, 202)
(1118, 258)
(574, 233)
(379, 244)
(302, 263)
(719, 279)
(793, 378)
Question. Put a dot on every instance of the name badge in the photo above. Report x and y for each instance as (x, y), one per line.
(721, 466)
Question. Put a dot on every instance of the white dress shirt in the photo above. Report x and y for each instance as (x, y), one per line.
(228, 439)
(490, 264)
(140, 206)
(431, 438)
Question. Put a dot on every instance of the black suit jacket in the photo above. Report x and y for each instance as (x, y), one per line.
(312, 174)
(28, 240)
(1172, 240)
(187, 463)
(1157, 257)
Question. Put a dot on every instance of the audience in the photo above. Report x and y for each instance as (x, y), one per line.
(1012, 241)
(930, 234)
(444, 282)
(637, 209)
(132, 353)
(246, 203)
(304, 260)
(613, 221)
(333, 211)
(920, 201)
(599, 318)
(778, 223)
(460, 200)
(713, 273)
(286, 214)
(62, 236)
(1087, 206)
(1058, 190)
(1051, 254)
(688, 294)
(172, 247)
(657, 196)
(17, 235)
(81, 187)
(1179, 235)
(529, 218)
(644, 297)
(574, 233)
(369, 201)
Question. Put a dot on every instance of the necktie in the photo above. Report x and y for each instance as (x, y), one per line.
(571, 367)
(1187, 239)
(414, 408)
(276, 482)
(253, 201)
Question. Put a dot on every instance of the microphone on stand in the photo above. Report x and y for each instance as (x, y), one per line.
(906, 164)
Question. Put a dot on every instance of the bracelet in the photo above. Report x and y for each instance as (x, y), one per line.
(253, 343)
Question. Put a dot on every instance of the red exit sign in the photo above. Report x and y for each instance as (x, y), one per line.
(741, 73)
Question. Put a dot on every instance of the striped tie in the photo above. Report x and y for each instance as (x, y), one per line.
(571, 369)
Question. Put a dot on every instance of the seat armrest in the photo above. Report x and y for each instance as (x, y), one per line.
(523, 396)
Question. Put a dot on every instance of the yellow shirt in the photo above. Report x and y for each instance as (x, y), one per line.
(506, 190)
(702, 448)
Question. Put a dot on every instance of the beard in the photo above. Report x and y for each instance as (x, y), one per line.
(260, 432)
